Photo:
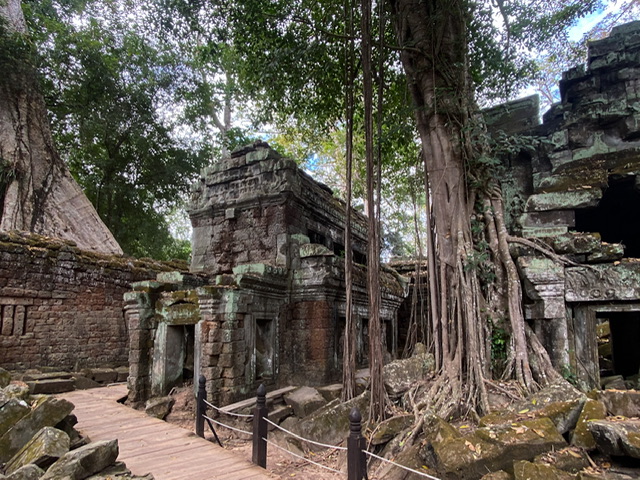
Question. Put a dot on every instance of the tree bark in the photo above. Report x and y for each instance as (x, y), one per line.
(38, 193)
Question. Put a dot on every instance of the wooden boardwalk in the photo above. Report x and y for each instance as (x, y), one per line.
(149, 445)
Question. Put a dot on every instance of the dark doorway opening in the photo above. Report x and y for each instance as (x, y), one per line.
(265, 348)
(618, 340)
(615, 217)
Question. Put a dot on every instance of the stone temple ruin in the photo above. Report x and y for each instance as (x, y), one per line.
(579, 193)
(265, 300)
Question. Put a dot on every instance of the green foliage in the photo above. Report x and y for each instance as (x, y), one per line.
(104, 86)
(499, 346)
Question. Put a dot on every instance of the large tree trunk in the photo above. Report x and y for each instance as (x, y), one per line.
(433, 34)
(434, 57)
(37, 191)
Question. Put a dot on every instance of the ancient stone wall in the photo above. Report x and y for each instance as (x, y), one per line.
(246, 208)
(61, 306)
(578, 193)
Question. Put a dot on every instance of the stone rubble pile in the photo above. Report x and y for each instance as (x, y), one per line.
(559, 433)
(38, 440)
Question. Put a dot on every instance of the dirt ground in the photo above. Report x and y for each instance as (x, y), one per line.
(279, 464)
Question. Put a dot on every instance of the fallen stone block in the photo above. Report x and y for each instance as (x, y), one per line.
(84, 462)
(388, 429)
(582, 437)
(617, 437)
(11, 413)
(38, 376)
(101, 375)
(44, 448)
(53, 385)
(46, 412)
(159, 407)
(119, 471)
(524, 470)
(331, 392)
(304, 401)
(17, 390)
(496, 448)
(400, 375)
(84, 383)
(28, 472)
(279, 414)
(5, 378)
(625, 403)
(564, 415)
(570, 459)
(330, 424)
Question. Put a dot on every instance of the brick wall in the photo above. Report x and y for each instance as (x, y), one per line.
(63, 307)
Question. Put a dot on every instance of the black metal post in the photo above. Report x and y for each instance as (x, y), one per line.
(200, 406)
(259, 456)
(356, 462)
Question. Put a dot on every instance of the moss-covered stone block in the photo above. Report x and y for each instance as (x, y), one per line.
(524, 470)
(496, 448)
(46, 412)
(592, 410)
(563, 200)
(44, 448)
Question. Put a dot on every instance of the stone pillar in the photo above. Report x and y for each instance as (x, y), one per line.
(139, 309)
(544, 284)
(208, 345)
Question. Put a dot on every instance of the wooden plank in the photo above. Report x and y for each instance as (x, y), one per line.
(149, 445)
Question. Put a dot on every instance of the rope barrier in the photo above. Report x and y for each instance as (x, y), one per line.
(227, 426)
(218, 409)
(335, 447)
(269, 442)
(426, 475)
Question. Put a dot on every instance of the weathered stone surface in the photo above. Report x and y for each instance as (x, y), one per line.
(5, 378)
(400, 375)
(67, 298)
(612, 436)
(101, 375)
(159, 407)
(388, 429)
(592, 410)
(330, 392)
(567, 200)
(36, 375)
(53, 385)
(119, 471)
(597, 283)
(560, 391)
(46, 412)
(304, 401)
(28, 472)
(17, 390)
(564, 415)
(11, 412)
(499, 475)
(524, 470)
(85, 461)
(496, 448)
(408, 457)
(84, 383)
(569, 459)
(625, 403)
(576, 242)
(44, 448)
(279, 414)
(330, 424)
